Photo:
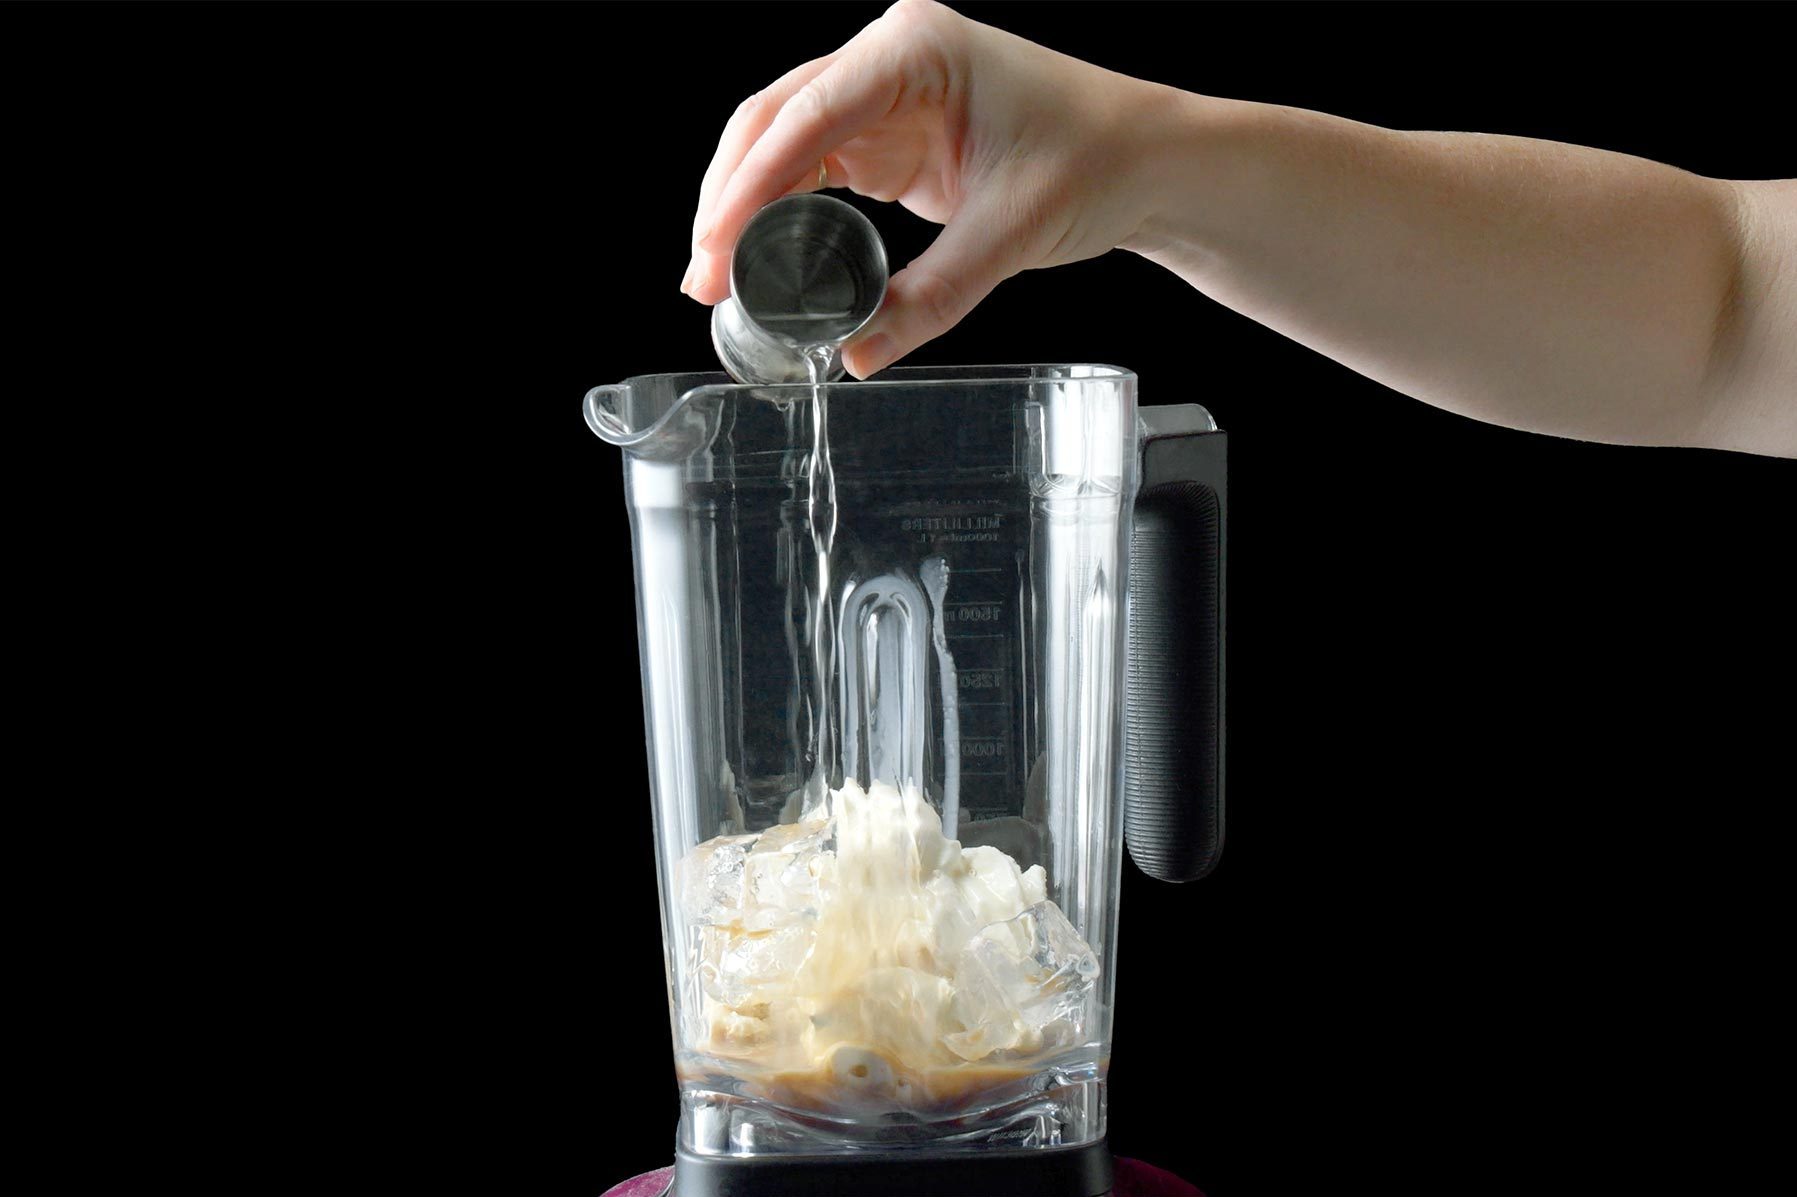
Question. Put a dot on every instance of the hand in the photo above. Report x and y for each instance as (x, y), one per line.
(1026, 155)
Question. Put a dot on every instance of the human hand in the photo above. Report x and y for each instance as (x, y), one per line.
(1028, 157)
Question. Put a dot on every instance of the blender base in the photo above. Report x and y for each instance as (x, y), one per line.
(1085, 1171)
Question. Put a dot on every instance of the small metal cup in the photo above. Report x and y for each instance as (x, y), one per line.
(808, 271)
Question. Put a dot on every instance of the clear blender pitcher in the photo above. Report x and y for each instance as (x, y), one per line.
(906, 680)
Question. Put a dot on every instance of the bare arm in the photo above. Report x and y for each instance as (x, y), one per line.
(1527, 283)
(1537, 285)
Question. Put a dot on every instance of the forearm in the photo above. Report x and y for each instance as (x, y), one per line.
(1532, 284)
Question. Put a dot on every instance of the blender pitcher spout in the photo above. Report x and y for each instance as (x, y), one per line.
(659, 417)
(605, 407)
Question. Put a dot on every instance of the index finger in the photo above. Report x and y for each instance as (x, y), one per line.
(851, 94)
(747, 123)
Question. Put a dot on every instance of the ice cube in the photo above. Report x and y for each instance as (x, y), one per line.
(753, 963)
(710, 881)
(983, 1003)
(1058, 949)
(746, 969)
(713, 943)
(1063, 1008)
(806, 836)
(780, 874)
(1024, 985)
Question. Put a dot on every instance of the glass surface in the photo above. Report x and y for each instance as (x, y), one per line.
(888, 824)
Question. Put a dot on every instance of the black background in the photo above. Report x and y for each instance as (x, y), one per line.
(348, 886)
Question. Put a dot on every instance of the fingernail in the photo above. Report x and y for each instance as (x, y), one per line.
(686, 280)
(874, 354)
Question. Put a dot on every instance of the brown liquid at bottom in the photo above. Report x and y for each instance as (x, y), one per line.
(932, 1092)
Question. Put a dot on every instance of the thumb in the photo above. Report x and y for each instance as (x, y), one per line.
(977, 251)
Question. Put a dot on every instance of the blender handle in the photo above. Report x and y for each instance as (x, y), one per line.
(1173, 716)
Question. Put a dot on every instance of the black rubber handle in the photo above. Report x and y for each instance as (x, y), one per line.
(1173, 804)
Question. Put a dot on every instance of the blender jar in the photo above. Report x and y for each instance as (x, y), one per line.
(883, 640)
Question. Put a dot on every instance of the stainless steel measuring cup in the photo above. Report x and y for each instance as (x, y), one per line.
(808, 272)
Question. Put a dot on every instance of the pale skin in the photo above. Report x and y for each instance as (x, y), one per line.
(1531, 284)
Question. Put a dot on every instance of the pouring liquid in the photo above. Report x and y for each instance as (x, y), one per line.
(821, 514)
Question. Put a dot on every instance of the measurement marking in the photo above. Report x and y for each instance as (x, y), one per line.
(977, 603)
(965, 705)
(1000, 773)
(978, 636)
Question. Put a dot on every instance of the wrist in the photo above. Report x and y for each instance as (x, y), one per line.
(1201, 176)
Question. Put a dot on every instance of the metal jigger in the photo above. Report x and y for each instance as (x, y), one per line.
(808, 271)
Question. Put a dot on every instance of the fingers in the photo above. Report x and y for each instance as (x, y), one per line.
(825, 175)
(846, 98)
(856, 90)
(981, 247)
(747, 123)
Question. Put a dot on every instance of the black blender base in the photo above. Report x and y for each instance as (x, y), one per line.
(1083, 1171)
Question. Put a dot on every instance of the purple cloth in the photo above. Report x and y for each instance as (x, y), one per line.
(649, 1184)
(1134, 1179)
